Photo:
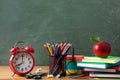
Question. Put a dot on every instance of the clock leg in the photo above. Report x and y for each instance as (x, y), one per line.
(13, 74)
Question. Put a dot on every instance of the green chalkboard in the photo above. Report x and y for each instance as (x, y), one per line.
(55, 21)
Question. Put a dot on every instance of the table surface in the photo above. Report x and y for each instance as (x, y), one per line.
(6, 74)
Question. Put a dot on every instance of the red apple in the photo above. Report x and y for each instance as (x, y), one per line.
(101, 49)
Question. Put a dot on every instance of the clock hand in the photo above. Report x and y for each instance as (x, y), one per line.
(18, 64)
(21, 62)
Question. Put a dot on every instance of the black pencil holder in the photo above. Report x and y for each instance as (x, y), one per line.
(56, 65)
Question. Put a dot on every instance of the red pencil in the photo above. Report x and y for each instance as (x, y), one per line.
(46, 47)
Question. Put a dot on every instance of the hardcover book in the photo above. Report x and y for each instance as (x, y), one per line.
(116, 67)
(100, 70)
(96, 65)
(104, 75)
(76, 57)
(109, 59)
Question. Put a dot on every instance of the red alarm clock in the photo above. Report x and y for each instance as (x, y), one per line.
(21, 61)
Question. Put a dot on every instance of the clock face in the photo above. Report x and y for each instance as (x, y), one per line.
(22, 62)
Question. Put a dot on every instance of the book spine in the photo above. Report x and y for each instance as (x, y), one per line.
(88, 65)
(104, 75)
(99, 70)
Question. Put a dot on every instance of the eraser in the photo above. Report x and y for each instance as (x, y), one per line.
(50, 76)
(58, 76)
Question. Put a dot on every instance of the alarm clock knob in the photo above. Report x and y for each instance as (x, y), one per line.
(29, 49)
(13, 50)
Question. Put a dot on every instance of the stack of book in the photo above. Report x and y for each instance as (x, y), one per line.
(101, 67)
